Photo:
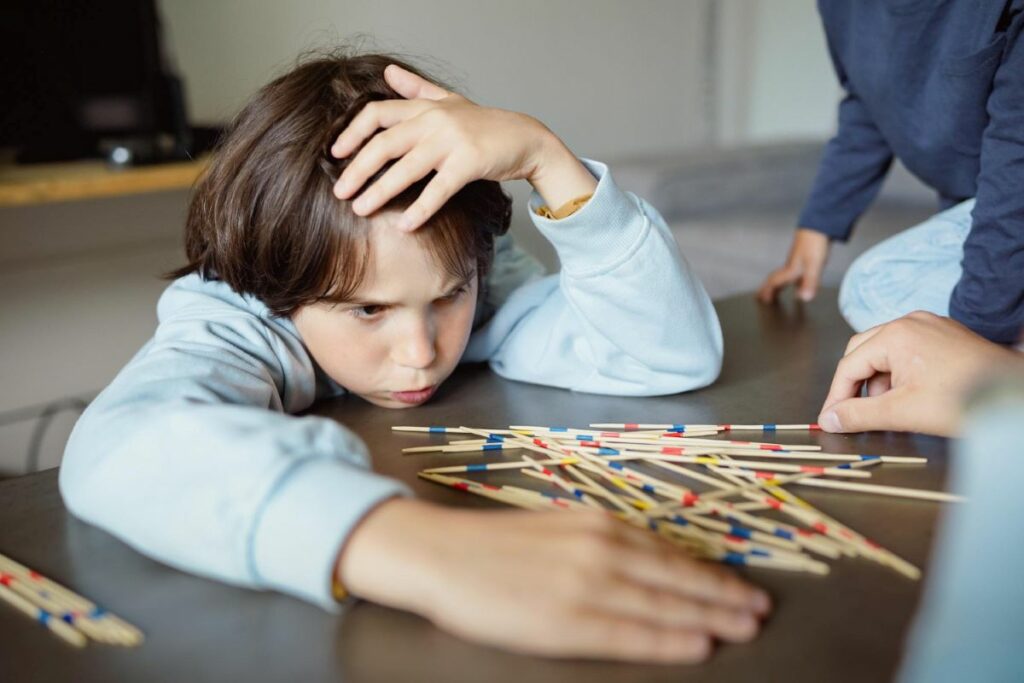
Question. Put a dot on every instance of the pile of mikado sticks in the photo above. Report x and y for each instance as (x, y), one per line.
(642, 474)
(66, 614)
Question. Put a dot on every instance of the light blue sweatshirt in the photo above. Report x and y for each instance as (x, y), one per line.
(192, 456)
(971, 623)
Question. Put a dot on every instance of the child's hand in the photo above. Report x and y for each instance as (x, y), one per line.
(559, 584)
(435, 130)
(806, 260)
(917, 369)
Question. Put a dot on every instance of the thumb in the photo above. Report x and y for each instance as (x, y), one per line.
(410, 86)
(862, 414)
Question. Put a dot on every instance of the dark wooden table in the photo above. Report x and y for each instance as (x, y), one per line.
(848, 626)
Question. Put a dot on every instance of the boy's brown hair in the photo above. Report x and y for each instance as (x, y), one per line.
(263, 218)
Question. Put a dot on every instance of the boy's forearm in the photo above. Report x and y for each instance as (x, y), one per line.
(559, 177)
(390, 556)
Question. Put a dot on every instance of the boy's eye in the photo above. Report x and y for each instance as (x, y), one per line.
(369, 311)
(453, 295)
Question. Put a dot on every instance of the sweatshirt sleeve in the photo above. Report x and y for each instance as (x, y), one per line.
(189, 455)
(625, 315)
(969, 624)
(989, 298)
(853, 165)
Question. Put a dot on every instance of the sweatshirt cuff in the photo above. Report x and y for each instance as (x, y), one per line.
(836, 227)
(305, 521)
(601, 233)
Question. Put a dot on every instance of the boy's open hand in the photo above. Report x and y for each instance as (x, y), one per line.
(559, 584)
(436, 130)
(916, 369)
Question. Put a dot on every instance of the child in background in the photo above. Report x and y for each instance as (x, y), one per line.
(940, 86)
(293, 294)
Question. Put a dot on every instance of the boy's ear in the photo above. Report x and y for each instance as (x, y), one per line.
(412, 87)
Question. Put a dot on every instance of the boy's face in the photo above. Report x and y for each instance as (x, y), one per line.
(405, 329)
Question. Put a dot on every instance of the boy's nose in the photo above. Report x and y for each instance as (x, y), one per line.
(416, 349)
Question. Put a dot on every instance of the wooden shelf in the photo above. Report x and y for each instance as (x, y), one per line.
(45, 183)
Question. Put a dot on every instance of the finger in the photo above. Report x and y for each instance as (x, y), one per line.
(872, 413)
(808, 285)
(609, 636)
(858, 339)
(411, 86)
(879, 384)
(439, 190)
(664, 567)
(373, 117)
(384, 147)
(775, 281)
(853, 369)
(637, 601)
(406, 171)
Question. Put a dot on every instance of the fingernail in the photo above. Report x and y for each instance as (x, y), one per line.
(359, 205)
(830, 422)
(762, 602)
(806, 296)
(405, 223)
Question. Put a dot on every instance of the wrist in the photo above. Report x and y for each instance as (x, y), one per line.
(813, 234)
(557, 175)
(393, 556)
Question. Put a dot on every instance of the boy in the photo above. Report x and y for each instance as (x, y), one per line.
(292, 294)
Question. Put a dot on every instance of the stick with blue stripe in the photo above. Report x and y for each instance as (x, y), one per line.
(57, 626)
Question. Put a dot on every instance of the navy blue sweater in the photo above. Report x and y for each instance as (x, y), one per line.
(940, 85)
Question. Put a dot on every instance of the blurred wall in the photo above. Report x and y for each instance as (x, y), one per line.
(776, 81)
(611, 77)
(614, 78)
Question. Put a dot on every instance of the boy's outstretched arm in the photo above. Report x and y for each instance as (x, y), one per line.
(190, 456)
(559, 584)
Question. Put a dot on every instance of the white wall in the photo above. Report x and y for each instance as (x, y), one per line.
(612, 78)
(776, 81)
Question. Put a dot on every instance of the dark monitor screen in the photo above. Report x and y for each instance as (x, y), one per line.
(77, 73)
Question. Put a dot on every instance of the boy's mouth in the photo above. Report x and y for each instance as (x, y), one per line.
(414, 397)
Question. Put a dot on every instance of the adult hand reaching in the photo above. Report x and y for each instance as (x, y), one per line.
(916, 369)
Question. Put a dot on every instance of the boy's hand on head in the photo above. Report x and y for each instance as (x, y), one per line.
(806, 261)
(436, 130)
(557, 584)
(916, 370)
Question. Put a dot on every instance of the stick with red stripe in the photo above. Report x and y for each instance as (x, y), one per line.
(510, 495)
(60, 603)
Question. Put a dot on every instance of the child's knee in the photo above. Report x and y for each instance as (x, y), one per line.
(858, 302)
(855, 280)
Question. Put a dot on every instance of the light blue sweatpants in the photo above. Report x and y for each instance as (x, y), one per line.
(915, 270)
